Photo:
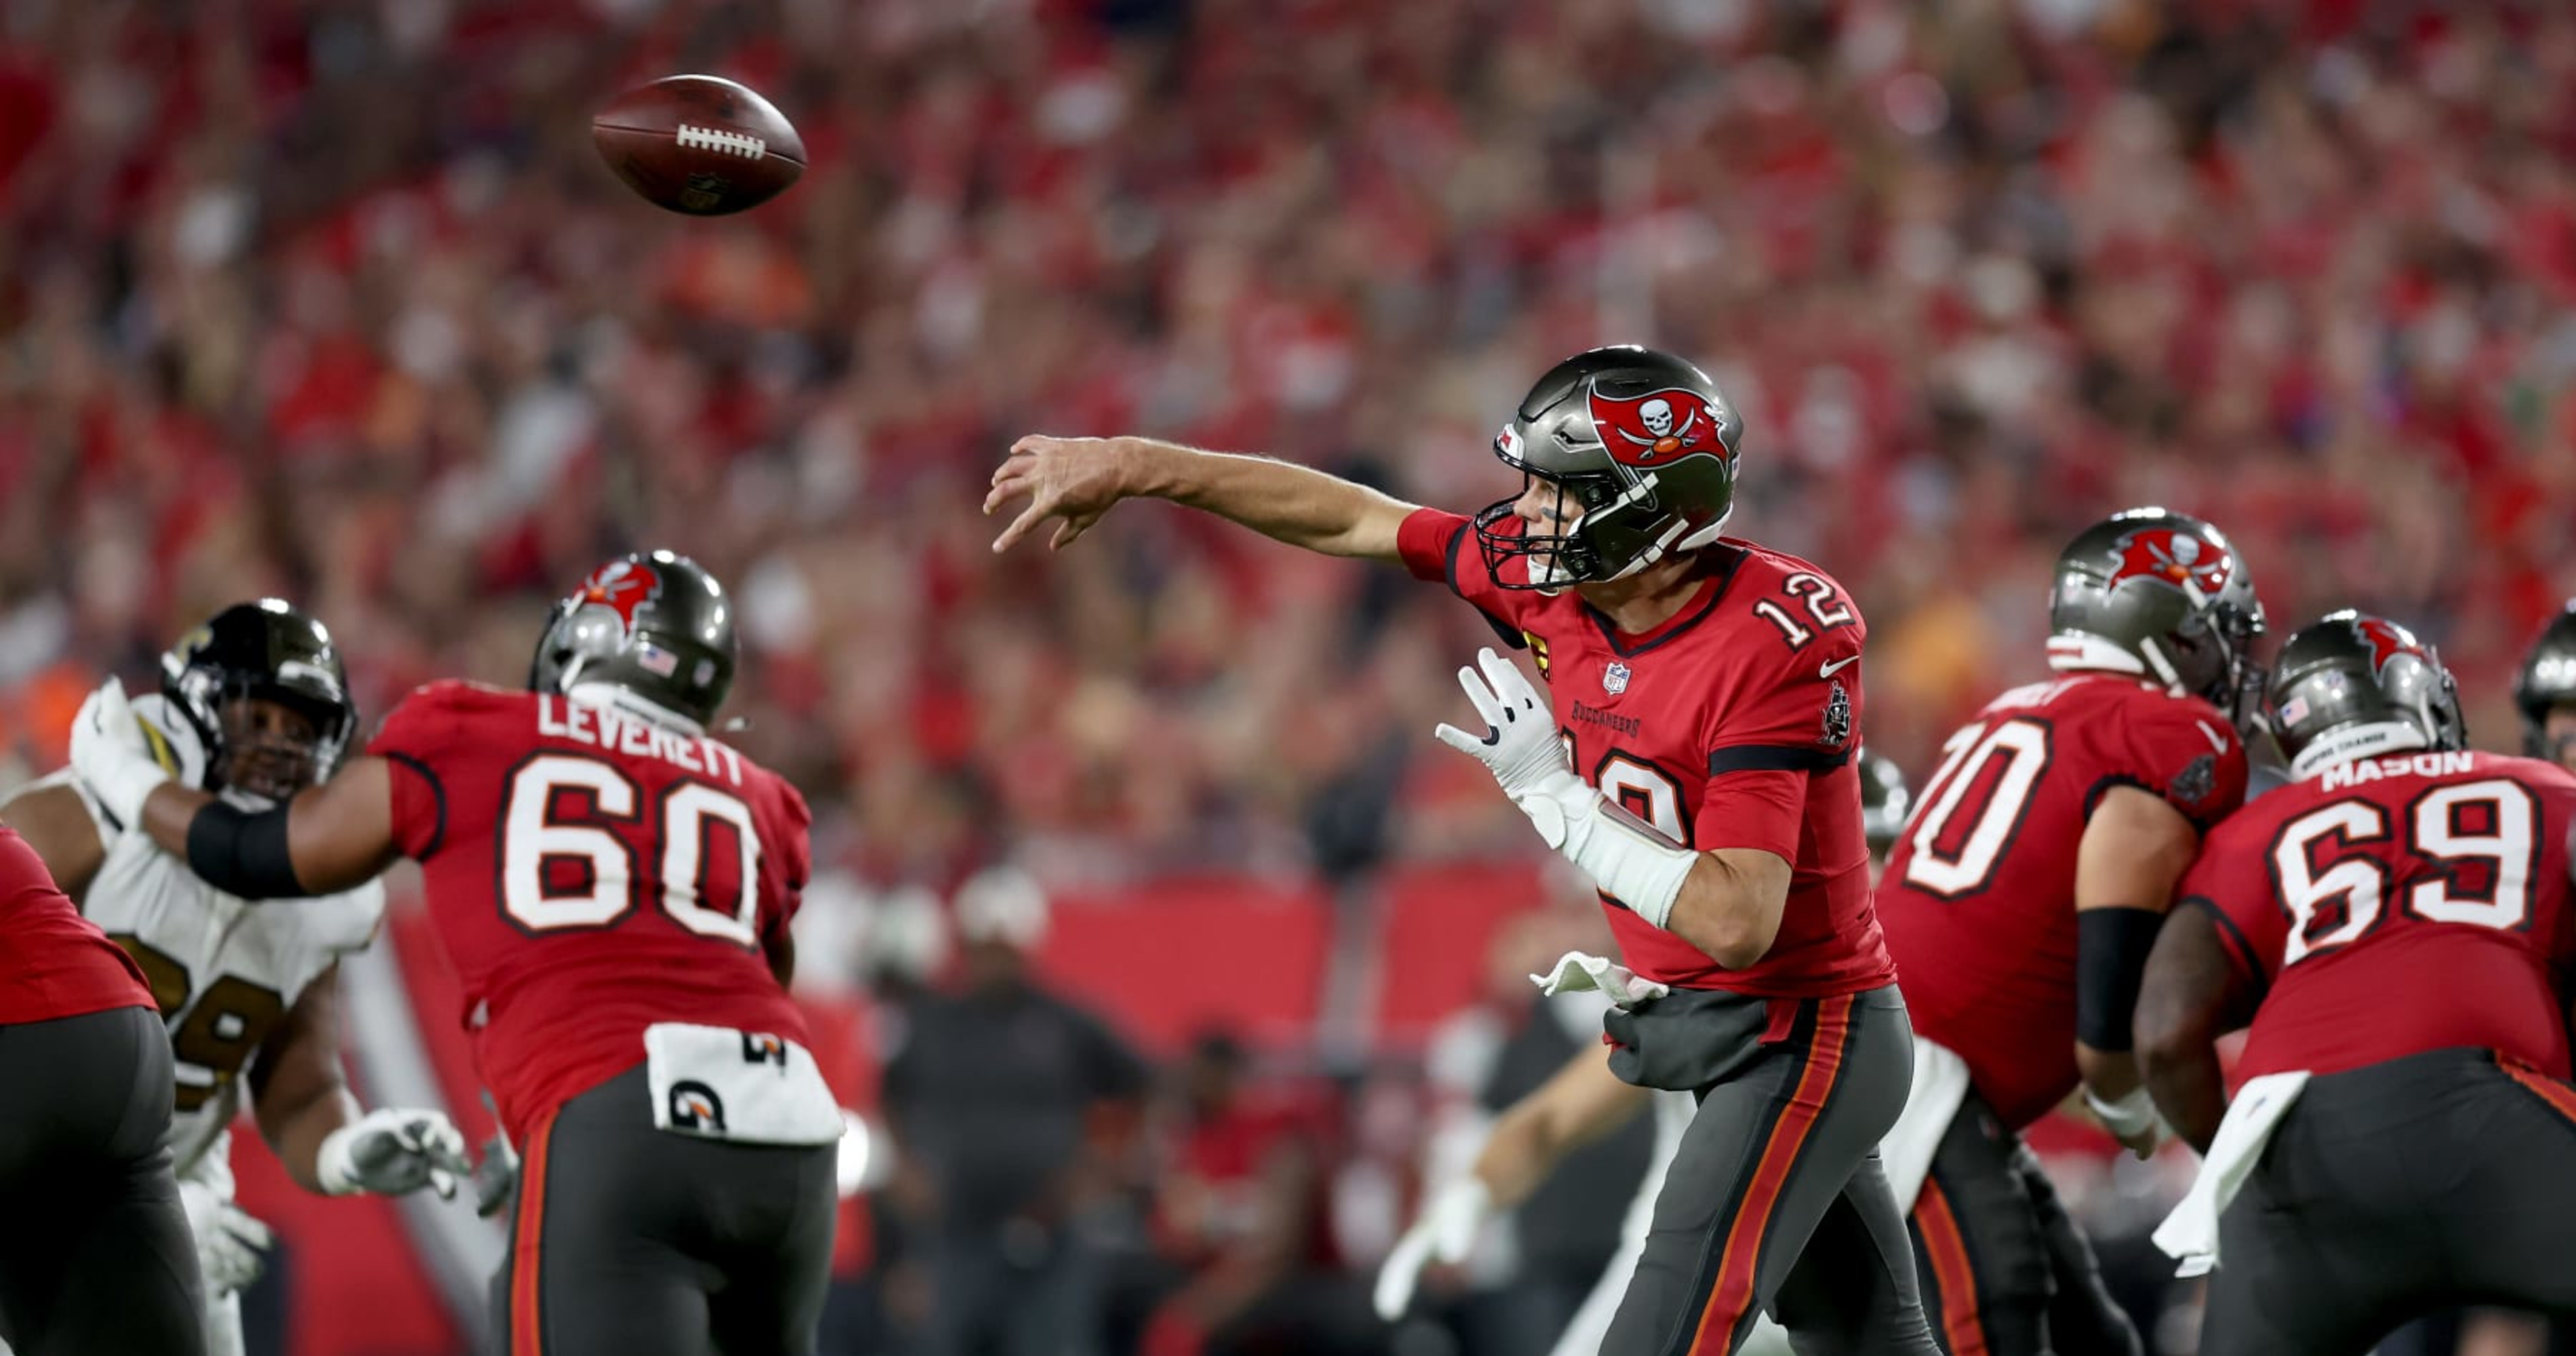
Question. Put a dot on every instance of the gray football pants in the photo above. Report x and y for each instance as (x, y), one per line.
(627, 1240)
(1775, 1199)
(101, 1260)
(2398, 1190)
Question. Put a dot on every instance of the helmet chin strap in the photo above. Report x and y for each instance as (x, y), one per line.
(2083, 651)
(626, 699)
(2163, 667)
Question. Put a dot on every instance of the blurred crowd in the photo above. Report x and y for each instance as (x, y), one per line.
(334, 299)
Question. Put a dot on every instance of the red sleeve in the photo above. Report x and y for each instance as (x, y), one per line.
(2240, 903)
(1425, 541)
(1790, 713)
(1753, 809)
(2186, 752)
(413, 737)
(1440, 547)
(793, 848)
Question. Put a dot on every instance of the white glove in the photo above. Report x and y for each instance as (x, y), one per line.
(1519, 745)
(495, 1175)
(1636, 865)
(114, 756)
(393, 1150)
(1444, 1232)
(1578, 972)
(229, 1240)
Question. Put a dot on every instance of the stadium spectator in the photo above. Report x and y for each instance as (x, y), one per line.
(999, 1100)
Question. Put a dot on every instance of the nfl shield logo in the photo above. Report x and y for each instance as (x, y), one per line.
(1614, 679)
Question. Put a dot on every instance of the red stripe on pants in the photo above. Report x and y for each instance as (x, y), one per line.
(527, 1334)
(2559, 1096)
(1953, 1276)
(1739, 1265)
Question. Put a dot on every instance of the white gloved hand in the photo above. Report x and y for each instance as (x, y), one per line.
(393, 1150)
(170, 733)
(113, 755)
(1637, 865)
(229, 1240)
(1445, 1232)
(1579, 971)
(1519, 744)
(495, 1176)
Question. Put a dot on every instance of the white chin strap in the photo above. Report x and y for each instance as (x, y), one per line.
(611, 695)
(2083, 651)
(2356, 742)
(1670, 541)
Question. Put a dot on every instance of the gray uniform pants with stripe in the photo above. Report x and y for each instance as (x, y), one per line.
(2398, 1190)
(97, 1257)
(1775, 1199)
(2004, 1271)
(627, 1240)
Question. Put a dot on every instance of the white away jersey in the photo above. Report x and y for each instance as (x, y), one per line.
(224, 970)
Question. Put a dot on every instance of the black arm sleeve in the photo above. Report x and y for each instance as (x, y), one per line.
(243, 853)
(2111, 947)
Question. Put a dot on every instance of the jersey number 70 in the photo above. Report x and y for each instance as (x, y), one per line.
(532, 838)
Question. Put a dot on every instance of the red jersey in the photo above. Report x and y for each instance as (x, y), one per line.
(1731, 725)
(1978, 898)
(590, 873)
(2390, 906)
(53, 962)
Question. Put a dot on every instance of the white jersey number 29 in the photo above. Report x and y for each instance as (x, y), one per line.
(531, 837)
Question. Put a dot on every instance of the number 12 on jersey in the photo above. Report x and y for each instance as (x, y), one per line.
(534, 837)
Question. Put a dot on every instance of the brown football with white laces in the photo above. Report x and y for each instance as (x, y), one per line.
(699, 144)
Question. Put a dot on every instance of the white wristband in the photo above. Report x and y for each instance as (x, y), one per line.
(332, 1167)
(2133, 1114)
(1627, 859)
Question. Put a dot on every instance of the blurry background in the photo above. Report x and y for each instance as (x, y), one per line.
(333, 299)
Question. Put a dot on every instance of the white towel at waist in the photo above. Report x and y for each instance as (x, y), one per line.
(2190, 1233)
(1940, 1085)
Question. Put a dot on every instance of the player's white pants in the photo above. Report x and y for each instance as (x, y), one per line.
(1940, 1081)
(213, 1168)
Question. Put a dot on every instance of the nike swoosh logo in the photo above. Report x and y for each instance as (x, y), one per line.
(2216, 740)
(1837, 666)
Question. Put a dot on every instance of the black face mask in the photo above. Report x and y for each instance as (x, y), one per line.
(1555, 558)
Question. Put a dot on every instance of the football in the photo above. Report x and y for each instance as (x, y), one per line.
(699, 144)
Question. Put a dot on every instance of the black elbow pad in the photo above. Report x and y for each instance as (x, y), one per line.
(2111, 947)
(242, 852)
